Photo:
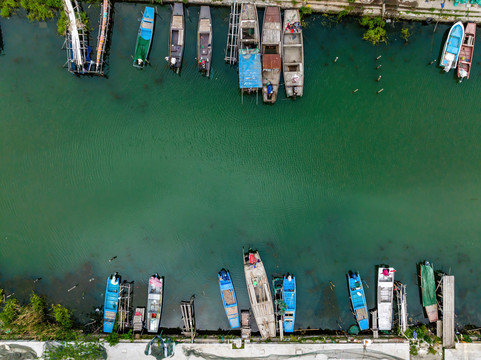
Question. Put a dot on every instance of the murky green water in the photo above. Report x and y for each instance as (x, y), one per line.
(174, 175)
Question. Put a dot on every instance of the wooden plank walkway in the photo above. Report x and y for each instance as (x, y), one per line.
(448, 311)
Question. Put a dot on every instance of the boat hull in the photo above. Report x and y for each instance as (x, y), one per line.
(259, 294)
(144, 37)
(250, 66)
(289, 297)
(358, 300)
(111, 302)
(293, 54)
(155, 296)
(271, 53)
(467, 51)
(204, 41)
(452, 46)
(428, 290)
(176, 39)
(229, 299)
(385, 294)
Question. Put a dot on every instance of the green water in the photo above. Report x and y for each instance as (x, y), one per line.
(174, 175)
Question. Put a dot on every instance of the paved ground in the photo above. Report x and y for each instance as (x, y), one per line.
(463, 352)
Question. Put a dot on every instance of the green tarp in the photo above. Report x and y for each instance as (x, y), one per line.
(428, 285)
(141, 49)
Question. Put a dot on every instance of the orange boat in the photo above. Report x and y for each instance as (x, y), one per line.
(467, 50)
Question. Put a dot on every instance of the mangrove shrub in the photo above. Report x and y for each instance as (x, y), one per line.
(375, 32)
(63, 316)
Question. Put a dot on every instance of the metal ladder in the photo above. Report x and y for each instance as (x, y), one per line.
(231, 47)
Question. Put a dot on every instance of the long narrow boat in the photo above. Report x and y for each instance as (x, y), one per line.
(229, 299)
(385, 294)
(144, 38)
(271, 53)
(259, 294)
(358, 300)
(204, 41)
(279, 303)
(289, 296)
(428, 289)
(250, 67)
(450, 54)
(176, 39)
(111, 304)
(293, 54)
(467, 50)
(154, 302)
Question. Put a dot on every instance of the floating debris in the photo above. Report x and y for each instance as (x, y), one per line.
(379, 78)
(91, 279)
(378, 57)
(331, 285)
(432, 62)
(9, 295)
(380, 91)
(337, 58)
(73, 287)
(115, 257)
(378, 67)
(354, 91)
(37, 280)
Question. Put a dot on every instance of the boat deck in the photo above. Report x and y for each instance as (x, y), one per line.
(228, 296)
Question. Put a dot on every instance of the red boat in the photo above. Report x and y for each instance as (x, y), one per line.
(467, 50)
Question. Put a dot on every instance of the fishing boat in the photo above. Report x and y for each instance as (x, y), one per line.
(204, 41)
(279, 304)
(138, 322)
(176, 39)
(259, 293)
(144, 38)
(450, 54)
(250, 67)
(154, 302)
(289, 297)
(271, 53)
(358, 300)
(111, 304)
(467, 50)
(293, 54)
(428, 289)
(385, 294)
(228, 299)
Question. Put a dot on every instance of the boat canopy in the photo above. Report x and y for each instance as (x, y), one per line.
(428, 285)
(250, 70)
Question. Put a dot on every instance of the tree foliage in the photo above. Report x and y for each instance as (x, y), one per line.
(375, 32)
(63, 316)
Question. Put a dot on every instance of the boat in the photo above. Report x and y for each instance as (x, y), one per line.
(154, 302)
(144, 38)
(259, 293)
(111, 304)
(428, 290)
(385, 294)
(204, 41)
(228, 299)
(293, 54)
(467, 50)
(289, 296)
(271, 53)
(449, 56)
(138, 322)
(250, 67)
(176, 39)
(279, 303)
(358, 300)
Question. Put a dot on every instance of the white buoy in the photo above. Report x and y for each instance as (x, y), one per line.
(378, 57)
(337, 58)
(379, 78)
(73, 287)
(380, 91)
(378, 67)
(355, 91)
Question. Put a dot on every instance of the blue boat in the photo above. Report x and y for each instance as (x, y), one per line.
(452, 47)
(358, 300)
(111, 304)
(228, 298)
(289, 297)
(144, 38)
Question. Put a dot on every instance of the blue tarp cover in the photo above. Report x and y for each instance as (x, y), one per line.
(250, 71)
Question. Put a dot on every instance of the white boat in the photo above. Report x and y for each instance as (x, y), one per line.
(452, 46)
(293, 54)
(154, 302)
(385, 292)
(259, 294)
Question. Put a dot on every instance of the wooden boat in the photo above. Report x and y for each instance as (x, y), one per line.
(358, 300)
(111, 303)
(250, 67)
(289, 297)
(428, 289)
(467, 50)
(204, 41)
(271, 53)
(176, 39)
(259, 294)
(154, 302)
(450, 54)
(144, 38)
(385, 294)
(293, 54)
(229, 299)
(138, 322)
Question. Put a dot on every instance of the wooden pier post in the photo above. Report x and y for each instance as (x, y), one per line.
(374, 327)
(188, 316)
(448, 311)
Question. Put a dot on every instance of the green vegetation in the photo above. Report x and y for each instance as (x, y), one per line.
(113, 338)
(347, 10)
(78, 350)
(413, 350)
(62, 24)
(294, 2)
(405, 34)
(375, 32)
(432, 351)
(305, 10)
